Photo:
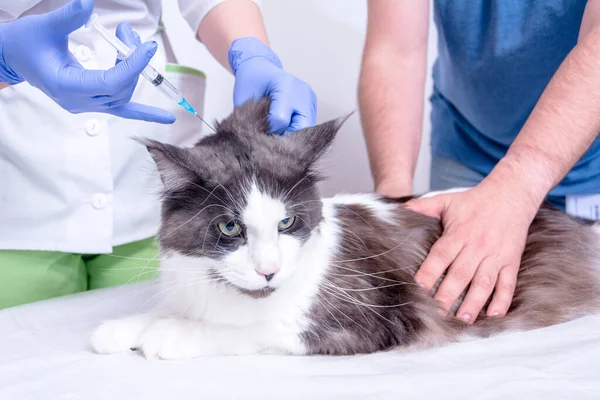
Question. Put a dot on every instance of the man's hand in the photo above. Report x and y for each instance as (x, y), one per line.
(485, 230)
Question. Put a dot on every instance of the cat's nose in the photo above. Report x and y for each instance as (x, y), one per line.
(268, 273)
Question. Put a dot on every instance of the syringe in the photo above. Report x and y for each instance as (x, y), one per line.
(156, 78)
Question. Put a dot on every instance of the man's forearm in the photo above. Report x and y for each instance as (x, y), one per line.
(230, 20)
(3, 85)
(561, 127)
(391, 92)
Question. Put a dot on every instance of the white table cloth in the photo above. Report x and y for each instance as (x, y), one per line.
(45, 354)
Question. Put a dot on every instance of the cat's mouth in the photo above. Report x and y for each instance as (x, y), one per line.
(257, 293)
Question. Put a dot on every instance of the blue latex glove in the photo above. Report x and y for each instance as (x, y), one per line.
(258, 72)
(34, 49)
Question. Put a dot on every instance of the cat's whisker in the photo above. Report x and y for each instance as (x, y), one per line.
(136, 278)
(122, 269)
(233, 201)
(303, 220)
(376, 255)
(306, 201)
(146, 258)
(359, 308)
(194, 268)
(332, 285)
(332, 315)
(164, 269)
(307, 213)
(340, 296)
(344, 206)
(210, 193)
(176, 287)
(344, 314)
(143, 291)
(233, 272)
(348, 299)
(126, 257)
(304, 191)
(159, 283)
(208, 226)
(179, 260)
(286, 195)
(355, 213)
(378, 287)
(373, 274)
(364, 275)
(195, 215)
(330, 288)
(218, 239)
(367, 274)
(356, 236)
(168, 284)
(360, 273)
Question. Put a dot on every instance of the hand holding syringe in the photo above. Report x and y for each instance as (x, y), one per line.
(156, 78)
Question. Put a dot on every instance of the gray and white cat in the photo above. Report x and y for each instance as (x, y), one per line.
(255, 261)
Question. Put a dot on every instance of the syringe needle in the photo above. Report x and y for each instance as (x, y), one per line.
(206, 123)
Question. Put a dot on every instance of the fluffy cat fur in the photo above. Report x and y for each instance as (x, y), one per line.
(339, 280)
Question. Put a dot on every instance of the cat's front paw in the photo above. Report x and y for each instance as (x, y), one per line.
(176, 339)
(120, 335)
(171, 339)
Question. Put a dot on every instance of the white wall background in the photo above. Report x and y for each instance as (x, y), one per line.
(321, 42)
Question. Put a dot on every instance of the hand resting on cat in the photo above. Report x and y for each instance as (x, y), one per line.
(254, 261)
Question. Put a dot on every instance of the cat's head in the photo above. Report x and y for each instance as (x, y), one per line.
(244, 198)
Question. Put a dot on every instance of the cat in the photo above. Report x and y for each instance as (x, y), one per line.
(255, 261)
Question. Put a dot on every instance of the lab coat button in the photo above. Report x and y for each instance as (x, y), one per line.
(99, 201)
(83, 53)
(92, 127)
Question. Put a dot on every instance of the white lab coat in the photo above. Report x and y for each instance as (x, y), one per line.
(79, 183)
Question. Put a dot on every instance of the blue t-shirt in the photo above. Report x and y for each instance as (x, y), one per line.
(495, 57)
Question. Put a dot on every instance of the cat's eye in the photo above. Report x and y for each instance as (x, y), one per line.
(286, 223)
(230, 228)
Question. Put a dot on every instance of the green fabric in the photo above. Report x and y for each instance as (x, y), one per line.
(28, 276)
(184, 70)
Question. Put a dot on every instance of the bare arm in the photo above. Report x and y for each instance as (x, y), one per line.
(563, 124)
(391, 90)
(3, 85)
(228, 21)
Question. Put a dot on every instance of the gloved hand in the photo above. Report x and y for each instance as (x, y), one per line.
(34, 49)
(258, 72)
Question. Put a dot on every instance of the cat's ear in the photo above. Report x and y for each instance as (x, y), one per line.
(173, 163)
(309, 144)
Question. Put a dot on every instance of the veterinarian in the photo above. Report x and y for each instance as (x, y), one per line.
(515, 115)
(78, 205)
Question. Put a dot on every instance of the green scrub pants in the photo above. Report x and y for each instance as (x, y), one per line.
(28, 276)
